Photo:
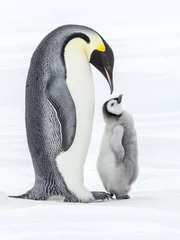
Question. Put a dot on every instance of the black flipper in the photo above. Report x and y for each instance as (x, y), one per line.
(60, 98)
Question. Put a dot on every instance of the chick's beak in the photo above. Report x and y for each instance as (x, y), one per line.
(120, 98)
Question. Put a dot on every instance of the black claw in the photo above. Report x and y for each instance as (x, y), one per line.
(126, 197)
(111, 194)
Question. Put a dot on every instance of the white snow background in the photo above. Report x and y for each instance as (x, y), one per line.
(145, 37)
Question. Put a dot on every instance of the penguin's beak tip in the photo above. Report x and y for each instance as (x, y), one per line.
(111, 89)
(109, 79)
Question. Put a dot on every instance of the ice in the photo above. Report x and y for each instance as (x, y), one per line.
(3, 198)
(145, 37)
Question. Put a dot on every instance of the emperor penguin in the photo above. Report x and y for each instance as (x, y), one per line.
(117, 162)
(60, 110)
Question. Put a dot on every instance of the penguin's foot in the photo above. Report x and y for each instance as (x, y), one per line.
(81, 194)
(97, 196)
(74, 199)
(122, 197)
(101, 195)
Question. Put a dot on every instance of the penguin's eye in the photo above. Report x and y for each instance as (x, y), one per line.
(112, 104)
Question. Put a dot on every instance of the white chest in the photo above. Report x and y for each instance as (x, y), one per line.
(106, 154)
(80, 84)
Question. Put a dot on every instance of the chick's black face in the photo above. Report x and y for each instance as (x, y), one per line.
(104, 62)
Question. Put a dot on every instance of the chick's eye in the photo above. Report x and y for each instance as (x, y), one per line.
(112, 104)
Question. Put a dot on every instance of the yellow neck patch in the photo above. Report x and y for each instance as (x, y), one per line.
(101, 47)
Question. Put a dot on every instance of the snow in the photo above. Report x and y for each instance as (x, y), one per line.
(145, 37)
(3, 199)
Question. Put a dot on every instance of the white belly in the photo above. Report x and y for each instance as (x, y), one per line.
(114, 177)
(81, 86)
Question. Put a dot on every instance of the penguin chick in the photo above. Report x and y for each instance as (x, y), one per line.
(117, 162)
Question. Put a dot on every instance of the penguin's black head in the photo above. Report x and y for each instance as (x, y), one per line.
(103, 60)
(113, 107)
(98, 52)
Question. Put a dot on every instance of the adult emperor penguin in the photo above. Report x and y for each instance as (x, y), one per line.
(60, 110)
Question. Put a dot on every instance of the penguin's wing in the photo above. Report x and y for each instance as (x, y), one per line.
(116, 143)
(60, 98)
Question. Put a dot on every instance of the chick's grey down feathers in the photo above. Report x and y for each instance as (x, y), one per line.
(118, 157)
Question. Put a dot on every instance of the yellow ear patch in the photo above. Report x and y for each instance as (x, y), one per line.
(101, 48)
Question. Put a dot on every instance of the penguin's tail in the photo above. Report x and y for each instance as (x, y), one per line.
(42, 191)
(20, 196)
(39, 192)
(32, 195)
(23, 196)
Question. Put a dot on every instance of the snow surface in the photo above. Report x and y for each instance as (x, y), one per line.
(145, 36)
